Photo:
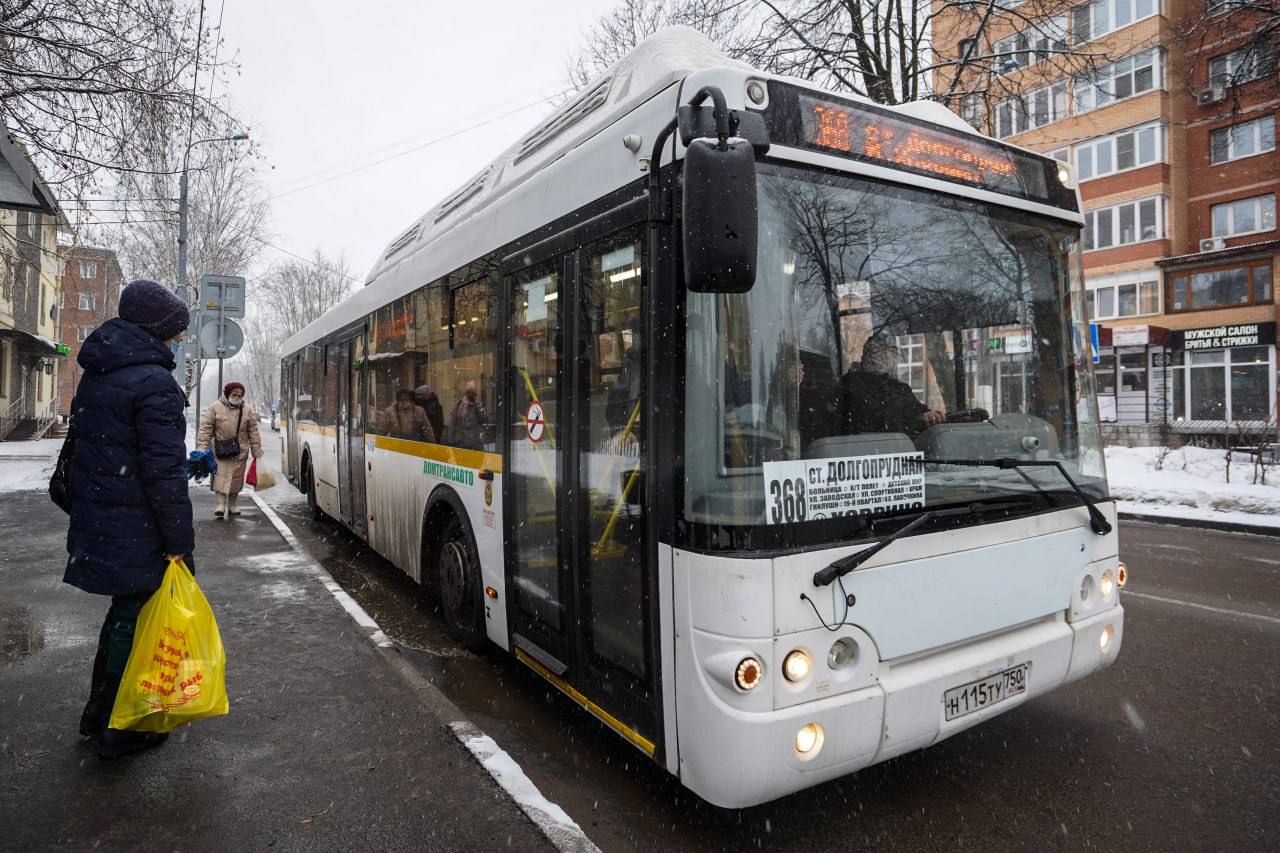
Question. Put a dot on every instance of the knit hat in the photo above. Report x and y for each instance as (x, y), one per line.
(232, 386)
(154, 308)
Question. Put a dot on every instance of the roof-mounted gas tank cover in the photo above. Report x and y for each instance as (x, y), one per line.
(719, 192)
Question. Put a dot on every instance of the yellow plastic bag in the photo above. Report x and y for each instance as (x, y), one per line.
(177, 668)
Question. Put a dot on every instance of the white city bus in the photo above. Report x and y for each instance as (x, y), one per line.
(757, 419)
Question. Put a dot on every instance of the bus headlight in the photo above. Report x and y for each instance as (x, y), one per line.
(748, 673)
(1105, 638)
(1064, 174)
(1107, 585)
(844, 652)
(797, 665)
(809, 741)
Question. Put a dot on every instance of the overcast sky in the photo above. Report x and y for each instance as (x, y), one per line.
(332, 87)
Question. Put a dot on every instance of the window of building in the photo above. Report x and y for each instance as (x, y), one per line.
(88, 269)
(1213, 7)
(83, 332)
(1031, 110)
(87, 301)
(1131, 149)
(1097, 18)
(1240, 66)
(1246, 216)
(911, 363)
(1242, 140)
(1248, 284)
(1062, 155)
(1032, 45)
(1104, 374)
(1131, 76)
(1127, 299)
(971, 109)
(1218, 385)
(1123, 224)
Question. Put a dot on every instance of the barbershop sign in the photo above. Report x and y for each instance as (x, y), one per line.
(1222, 337)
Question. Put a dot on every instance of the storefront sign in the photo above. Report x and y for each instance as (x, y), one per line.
(1222, 337)
(1130, 336)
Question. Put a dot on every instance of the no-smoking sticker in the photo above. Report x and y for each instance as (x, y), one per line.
(535, 422)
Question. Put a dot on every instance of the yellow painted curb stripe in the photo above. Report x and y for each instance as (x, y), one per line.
(476, 459)
(604, 716)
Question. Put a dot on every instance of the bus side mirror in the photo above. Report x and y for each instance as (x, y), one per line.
(719, 216)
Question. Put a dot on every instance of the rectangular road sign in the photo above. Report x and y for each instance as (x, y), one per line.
(222, 291)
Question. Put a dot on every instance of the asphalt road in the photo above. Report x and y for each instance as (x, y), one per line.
(1176, 747)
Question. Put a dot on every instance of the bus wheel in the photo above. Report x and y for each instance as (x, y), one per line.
(309, 486)
(458, 583)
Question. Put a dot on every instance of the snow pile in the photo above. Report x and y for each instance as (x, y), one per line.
(1191, 482)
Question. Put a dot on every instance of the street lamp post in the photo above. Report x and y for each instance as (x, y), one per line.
(183, 290)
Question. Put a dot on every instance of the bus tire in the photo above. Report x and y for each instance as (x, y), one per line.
(457, 582)
(309, 488)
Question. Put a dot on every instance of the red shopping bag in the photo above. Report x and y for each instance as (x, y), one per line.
(252, 476)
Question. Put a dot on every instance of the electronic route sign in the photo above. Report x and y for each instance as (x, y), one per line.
(872, 134)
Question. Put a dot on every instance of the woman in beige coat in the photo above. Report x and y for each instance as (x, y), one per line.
(218, 424)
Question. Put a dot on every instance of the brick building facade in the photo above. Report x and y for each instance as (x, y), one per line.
(1170, 134)
(91, 283)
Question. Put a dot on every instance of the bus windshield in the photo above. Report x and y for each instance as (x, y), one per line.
(889, 330)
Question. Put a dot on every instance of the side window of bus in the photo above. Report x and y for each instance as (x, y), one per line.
(397, 366)
(461, 363)
(310, 393)
(330, 401)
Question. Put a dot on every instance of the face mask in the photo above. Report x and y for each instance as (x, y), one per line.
(235, 401)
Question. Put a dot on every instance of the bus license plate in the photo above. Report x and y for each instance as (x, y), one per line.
(976, 695)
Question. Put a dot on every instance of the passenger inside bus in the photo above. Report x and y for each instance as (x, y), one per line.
(429, 400)
(875, 400)
(404, 419)
(470, 419)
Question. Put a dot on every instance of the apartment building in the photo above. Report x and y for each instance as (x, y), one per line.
(1166, 112)
(91, 282)
(30, 287)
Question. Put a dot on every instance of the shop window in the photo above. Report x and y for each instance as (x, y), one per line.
(1221, 288)
(1250, 372)
(1242, 140)
(1133, 371)
(1246, 216)
(1105, 374)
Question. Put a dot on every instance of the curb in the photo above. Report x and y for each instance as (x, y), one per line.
(1203, 524)
(552, 821)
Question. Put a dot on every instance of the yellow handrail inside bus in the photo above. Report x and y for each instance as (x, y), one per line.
(598, 548)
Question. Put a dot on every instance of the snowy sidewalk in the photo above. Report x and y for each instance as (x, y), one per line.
(324, 749)
(1189, 485)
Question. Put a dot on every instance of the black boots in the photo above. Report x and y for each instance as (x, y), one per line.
(114, 743)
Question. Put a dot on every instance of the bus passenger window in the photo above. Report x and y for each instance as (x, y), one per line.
(394, 366)
(461, 375)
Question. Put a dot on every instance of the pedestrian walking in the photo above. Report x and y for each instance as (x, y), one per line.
(130, 513)
(230, 426)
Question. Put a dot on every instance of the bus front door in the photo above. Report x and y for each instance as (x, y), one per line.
(580, 563)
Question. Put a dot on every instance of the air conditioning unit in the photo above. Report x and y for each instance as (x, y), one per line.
(1212, 244)
(1212, 95)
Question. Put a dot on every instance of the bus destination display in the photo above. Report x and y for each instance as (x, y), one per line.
(872, 135)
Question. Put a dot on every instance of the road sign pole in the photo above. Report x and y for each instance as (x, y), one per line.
(222, 335)
(197, 325)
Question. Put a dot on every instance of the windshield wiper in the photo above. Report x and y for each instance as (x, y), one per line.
(1097, 521)
(844, 565)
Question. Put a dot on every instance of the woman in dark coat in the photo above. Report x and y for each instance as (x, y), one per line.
(130, 512)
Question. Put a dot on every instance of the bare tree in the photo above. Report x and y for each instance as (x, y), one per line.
(295, 293)
(89, 85)
(1249, 30)
(880, 49)
(227, 222)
